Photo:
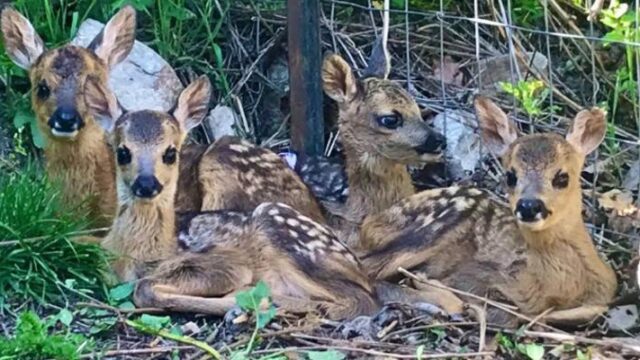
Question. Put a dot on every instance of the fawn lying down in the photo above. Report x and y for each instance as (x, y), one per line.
(382, 131)
(231, 173)
(307, 268)
(535, 253)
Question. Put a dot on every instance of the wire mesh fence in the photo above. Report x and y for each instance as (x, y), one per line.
(542, 61)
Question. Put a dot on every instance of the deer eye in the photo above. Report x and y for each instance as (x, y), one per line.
(390, 121)
(560, 180)
(169, 156)
(512, 178)
(123, 155)
(43, 91)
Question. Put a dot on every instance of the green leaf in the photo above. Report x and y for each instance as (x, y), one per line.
(65, 317)
(325, 355)
(419, 352)
(612, 36)
(155, 322)
(38, 139)
(532, 351)
(263, 317)
(127, 305)
(121, 292)
(22, 118)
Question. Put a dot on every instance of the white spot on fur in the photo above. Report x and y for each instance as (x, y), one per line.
(293, 222)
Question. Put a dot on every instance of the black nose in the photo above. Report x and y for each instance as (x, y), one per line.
(66, 119)
(146, 186)
(434, 144)
(530, 210)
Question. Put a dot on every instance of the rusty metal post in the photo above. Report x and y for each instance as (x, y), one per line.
(305, 61)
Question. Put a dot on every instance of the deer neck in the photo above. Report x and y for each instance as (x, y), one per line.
(569, 243)
(144, 230)
(84, 167)
(375, 182)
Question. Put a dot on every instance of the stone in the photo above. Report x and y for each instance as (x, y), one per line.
(144, 80)
(221, 121)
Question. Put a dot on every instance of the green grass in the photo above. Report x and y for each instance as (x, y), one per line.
(33, 341)
(39, 262)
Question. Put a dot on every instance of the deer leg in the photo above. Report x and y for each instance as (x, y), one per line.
(575, 316)
(431, 291)
(194, 283)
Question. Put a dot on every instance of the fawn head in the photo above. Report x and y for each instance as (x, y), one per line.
(378, 118)
(147, 143)
(542, 170)
(58, 75)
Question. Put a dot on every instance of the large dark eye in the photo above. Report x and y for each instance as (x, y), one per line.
(390, 121)
(169, 156)
(512, 178)
(43, 91)
(123, 156)
(560, 180)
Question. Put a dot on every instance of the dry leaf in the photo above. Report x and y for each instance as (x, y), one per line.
(619, 202)
(448, 71)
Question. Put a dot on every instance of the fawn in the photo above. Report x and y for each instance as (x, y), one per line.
(535, 253)
(75, 149)
(306, 266)
(382, 131)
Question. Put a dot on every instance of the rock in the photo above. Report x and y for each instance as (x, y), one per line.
(497, 69)
(144, 80)
(621, 318)
(221, 121)
(463, 144)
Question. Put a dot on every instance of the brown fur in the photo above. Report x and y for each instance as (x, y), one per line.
(305, 265)
(471, 242)
(238, 175)
(376, 157)
(144, 228)
(81, 162)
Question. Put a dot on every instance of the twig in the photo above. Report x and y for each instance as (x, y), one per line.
(607, 342)
(154, 350)
(179, 338)
(498, 305)
(374, 352)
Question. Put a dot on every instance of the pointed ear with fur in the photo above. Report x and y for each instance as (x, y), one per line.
(338, 80)
(22, 43)
(379, 65)
(497, 131)
(588, 130)
(116, 39)
(102, 103)
(193, 103)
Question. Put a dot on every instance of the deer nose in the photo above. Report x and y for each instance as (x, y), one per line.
(65, 119)
(146, 186)
(434, 144)
(531, 210)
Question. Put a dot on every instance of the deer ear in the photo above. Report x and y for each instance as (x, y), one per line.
(22, 43)
(116, 39)
(338, 80)
(497, 131)
(193, 103)
(102, 103)
(588, 130)
(379, 65)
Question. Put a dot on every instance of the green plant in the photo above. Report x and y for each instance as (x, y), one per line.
(529, 93)
(39, 260)
(258, 301)
(622, 22)
(32, 341)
